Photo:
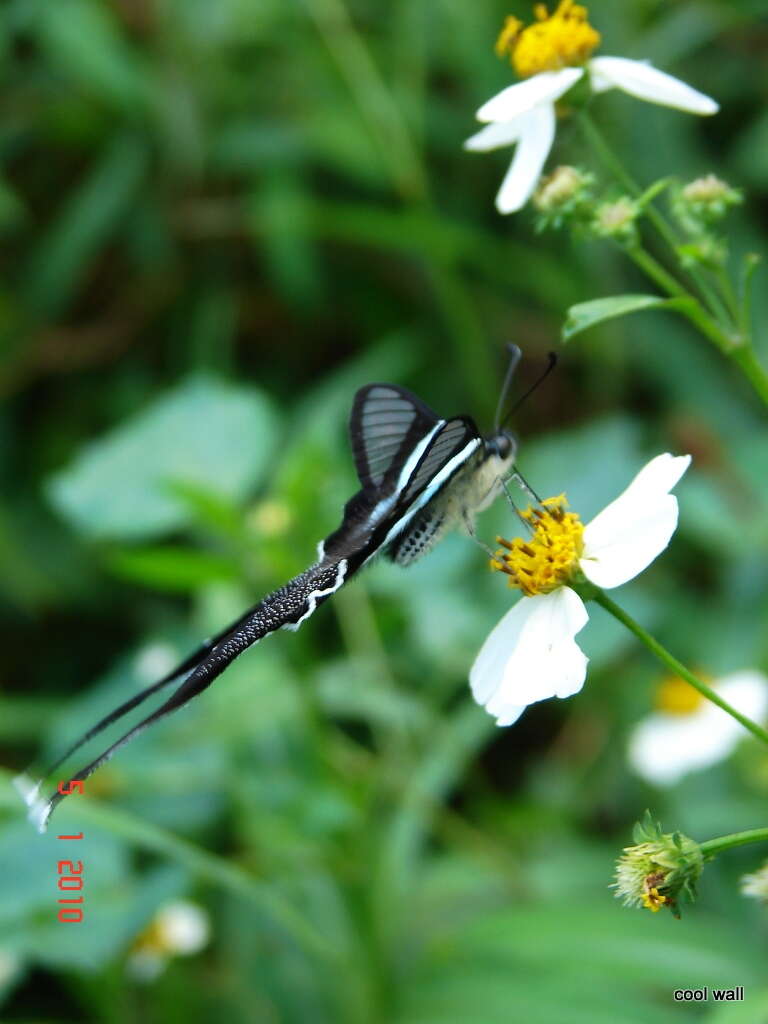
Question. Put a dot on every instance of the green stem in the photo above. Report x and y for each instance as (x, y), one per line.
(656, 272)
(734, 343)
(691, 307)
(712, 847)
(676, 666)
(749, 266)
(732, 301)
(615, 167)
(753, 370)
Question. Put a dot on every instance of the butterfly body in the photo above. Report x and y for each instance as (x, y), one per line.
(421, 476)
(473, 489)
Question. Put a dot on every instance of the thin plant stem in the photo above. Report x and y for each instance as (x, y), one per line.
(651, 266)
(732, 301)
(712, 847)
(689, 305)
(749, 266)
(730, 329)
(676, 666)
(615, 166)
(752, 368)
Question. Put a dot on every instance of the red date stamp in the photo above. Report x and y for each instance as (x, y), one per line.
(70, 872)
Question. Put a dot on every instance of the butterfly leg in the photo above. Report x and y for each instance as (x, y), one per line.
(524, 486)
(469, 526)
(510, 499)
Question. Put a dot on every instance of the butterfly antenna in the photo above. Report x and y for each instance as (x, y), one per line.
(514, 358)
(551, 364)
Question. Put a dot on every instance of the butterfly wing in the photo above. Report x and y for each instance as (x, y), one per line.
(386, 425)
(446, 453)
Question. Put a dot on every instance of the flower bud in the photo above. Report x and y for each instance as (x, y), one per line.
(708, 198)
(659, 869)
(617, 219)
(561, 195)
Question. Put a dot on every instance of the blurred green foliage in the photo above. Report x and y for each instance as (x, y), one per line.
(216, 221)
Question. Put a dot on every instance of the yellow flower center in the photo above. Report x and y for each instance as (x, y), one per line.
(553, 41)
(550, 557)
(676, 697)
(653, 899)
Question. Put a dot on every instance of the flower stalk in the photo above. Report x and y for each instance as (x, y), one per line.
(660, 652)
(729, 324)
(712, 847)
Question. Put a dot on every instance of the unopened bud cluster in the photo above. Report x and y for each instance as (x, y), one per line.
(567, 197)
(698, 207)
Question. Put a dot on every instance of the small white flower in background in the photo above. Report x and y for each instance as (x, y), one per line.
(687, 733)
(531, 654)
(155, 660)
(755, 885)
(552, 55)
(180, 928)
(10, 968)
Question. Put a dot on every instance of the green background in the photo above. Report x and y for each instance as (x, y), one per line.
(217, 220)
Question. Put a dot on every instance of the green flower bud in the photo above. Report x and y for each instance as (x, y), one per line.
(617, 219)
(564, 194)
(659, 869)
(708, 199)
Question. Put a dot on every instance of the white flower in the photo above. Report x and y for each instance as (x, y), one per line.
(523, 114)
(10, 967)
(531, 654)
(755, 885)
(180, 928)
(688, 733)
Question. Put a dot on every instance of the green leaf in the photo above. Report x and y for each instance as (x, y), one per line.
(586, 314)
(84, 222)
(205, 433)
(171, 568)
(83, 38)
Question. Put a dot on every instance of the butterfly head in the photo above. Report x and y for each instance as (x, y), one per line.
(501, 447)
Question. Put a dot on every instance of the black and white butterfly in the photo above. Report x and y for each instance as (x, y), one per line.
(420, 477)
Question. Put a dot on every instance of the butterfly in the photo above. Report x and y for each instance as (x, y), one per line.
(420, 477)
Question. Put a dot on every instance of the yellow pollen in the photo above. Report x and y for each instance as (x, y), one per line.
(553, 41)
(653, 900)
(550, 557)
(676, 697)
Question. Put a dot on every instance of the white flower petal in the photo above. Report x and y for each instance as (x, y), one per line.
(642, 80)
(536, 137)
(660, 475)
(183, 927)
(493, 136)
(531, 655)
(747, 691)
(546, 87)
(664, 747)
(628, 534)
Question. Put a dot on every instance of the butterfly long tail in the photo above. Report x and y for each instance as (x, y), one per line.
(287, 607)
(183, 668)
